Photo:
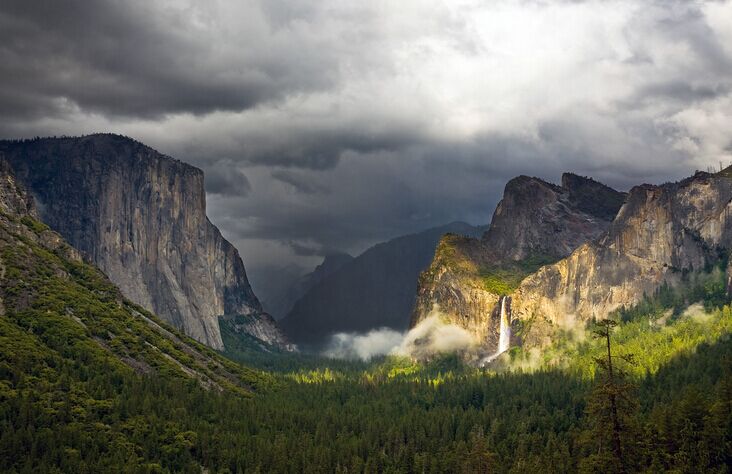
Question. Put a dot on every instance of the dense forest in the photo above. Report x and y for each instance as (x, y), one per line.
(90, 383)
(439, 419)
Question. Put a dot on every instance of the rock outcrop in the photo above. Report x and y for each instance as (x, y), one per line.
(539, 218)
(660, 234)
(536, 223)
(454, 285)
(139, 216)
(13, 198)
(260, 326)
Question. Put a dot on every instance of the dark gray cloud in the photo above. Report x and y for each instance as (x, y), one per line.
(226, 179)
(141, 59)
(322, 149)
(299, 182)
(335, 125)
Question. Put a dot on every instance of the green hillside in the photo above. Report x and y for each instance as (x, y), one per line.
(88, 381)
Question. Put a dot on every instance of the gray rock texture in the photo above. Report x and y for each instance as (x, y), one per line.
(539, 218)
(660, 233)
(140, 216)
(536, 223)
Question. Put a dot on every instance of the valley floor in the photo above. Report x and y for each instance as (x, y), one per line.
(390, 416)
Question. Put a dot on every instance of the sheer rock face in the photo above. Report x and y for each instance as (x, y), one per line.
(13, 198)
(140, 216)
(453, 286)
(535, 222)
(660, 232)
(536, 217)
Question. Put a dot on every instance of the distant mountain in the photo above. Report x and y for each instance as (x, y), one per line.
(273, 284)
(140, 216)
(282, 287)
(376, 289)
(331, 264)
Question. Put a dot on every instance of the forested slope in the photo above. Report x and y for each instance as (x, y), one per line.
(90, 382)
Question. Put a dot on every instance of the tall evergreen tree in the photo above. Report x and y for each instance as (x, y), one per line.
(611, 435)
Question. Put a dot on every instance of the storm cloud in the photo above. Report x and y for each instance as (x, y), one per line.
(334, 125)
(226, 179)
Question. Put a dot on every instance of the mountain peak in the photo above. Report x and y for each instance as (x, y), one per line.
(523, 183)
(571, 180)
(335, 259)
(536, 217)
(592, 197)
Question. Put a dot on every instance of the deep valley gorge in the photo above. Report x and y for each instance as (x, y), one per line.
(336, 237)
(490, 313)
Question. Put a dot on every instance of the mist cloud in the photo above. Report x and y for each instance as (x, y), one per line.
(431, 337)
(363, 346)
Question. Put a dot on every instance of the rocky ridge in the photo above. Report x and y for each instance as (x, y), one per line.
(660, 234)
(536, 223)
(540, 218)
(261, 326)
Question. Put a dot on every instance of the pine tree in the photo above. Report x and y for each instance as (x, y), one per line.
(610, 410)
(480, 459)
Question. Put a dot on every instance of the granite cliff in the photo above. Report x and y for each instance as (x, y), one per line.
(535, 224)
(139, 216)
(661, 234)
(56, 312)
(539, 218)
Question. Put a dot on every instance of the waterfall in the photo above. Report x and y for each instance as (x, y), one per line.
(504, 336)
(504, 332)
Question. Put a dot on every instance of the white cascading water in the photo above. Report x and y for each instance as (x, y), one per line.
(504, 336)
(504, 333)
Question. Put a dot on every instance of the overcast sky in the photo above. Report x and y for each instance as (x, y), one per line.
(333, 124)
